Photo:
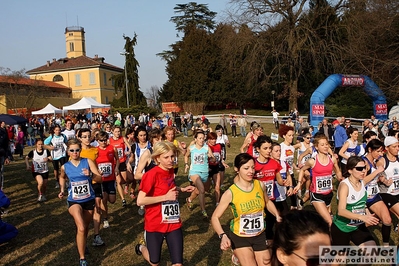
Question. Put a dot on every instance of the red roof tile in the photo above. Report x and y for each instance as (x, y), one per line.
(33, 82)
(73, 63)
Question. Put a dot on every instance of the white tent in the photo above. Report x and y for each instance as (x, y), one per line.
(85, 103)
(49, 109)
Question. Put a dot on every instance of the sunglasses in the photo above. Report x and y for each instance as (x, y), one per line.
(360, 168)
(309, 261)
(76, 150)
(307, 138)
(102, 140)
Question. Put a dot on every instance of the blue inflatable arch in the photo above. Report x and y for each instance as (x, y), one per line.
(338, 80)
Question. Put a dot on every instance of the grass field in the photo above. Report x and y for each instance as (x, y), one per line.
(47, 231)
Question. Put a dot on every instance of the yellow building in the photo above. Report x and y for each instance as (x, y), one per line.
(86, 76)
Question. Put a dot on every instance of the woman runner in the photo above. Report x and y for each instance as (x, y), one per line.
(159, 193)
(247, 199)
(80, 172)
(39, 167)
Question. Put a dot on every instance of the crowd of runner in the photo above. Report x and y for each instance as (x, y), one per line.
(273, 182)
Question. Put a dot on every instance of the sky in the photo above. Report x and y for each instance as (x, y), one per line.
(32, 32)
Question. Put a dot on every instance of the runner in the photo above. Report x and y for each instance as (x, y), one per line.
(169, 135)
(247, 146)
(56, 143)
(247, 199)
(89, 152)
(159, 193)
(39, 168)
(349, 222)
(199, 153)
(321, 187)
(108, 165)
(298, 237)
(287, 155)
(121, 145)
(223, 140)
(214, 166)
(375, 149)
(389, 188)
(81, 202)
(349, 147)
(301, 148)
(267, 171)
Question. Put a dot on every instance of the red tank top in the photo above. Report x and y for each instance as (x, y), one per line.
(251, 149)
(106, 163)
(119, 144)
(217, 153)
(322, 177)
(266, 173)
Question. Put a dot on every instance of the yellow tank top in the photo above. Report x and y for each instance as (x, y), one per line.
(248, 210)
(91, 154)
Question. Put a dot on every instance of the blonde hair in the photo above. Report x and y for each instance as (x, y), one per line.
(163, 147)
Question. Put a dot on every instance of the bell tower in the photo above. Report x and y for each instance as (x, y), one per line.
(75, 41)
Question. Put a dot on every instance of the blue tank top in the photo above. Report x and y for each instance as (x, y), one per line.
(80, 189)
(199, 159)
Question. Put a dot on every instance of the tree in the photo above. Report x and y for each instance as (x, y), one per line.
(280, 20)
(136, 97)
(153, 98)
(194, 16)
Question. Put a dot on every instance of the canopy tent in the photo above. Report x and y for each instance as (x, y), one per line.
(49, 109)
(85, 103)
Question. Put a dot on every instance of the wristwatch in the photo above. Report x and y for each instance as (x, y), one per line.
(221, 235)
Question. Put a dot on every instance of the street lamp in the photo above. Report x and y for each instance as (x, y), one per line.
(272, 104)
(126, 80)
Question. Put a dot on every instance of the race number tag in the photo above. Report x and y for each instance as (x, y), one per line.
(372, 190)
(355, 210)
(394, 187)
(105, 169)
(80, 190)
(269, 186)
(120, 152)
(40, 167)
(170, 212)
(323, 184)
(251, 224)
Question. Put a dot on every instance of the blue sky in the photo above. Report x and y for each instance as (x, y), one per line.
(32, 32)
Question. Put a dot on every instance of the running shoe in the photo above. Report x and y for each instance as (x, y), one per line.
(137, 247)
(106, 224)
(126, 190)
(396, 227)
(132, 196)
(299, 203)
(44, 198)
(205, 216)
(189, 204)
(83, 262)
(124, 204)
(234, 260)
(40, 199)
(97, 241)
(57, 185)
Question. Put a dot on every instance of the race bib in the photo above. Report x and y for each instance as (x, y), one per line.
(217, 156)
(120, 152)
(394, 187)
(170, 212)
(80, 190)
(251, 224)
(372, 190)
(324, 184)
(255, 153)
(40, 167)
(269, 186)
(105, 169)
(357, 210)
